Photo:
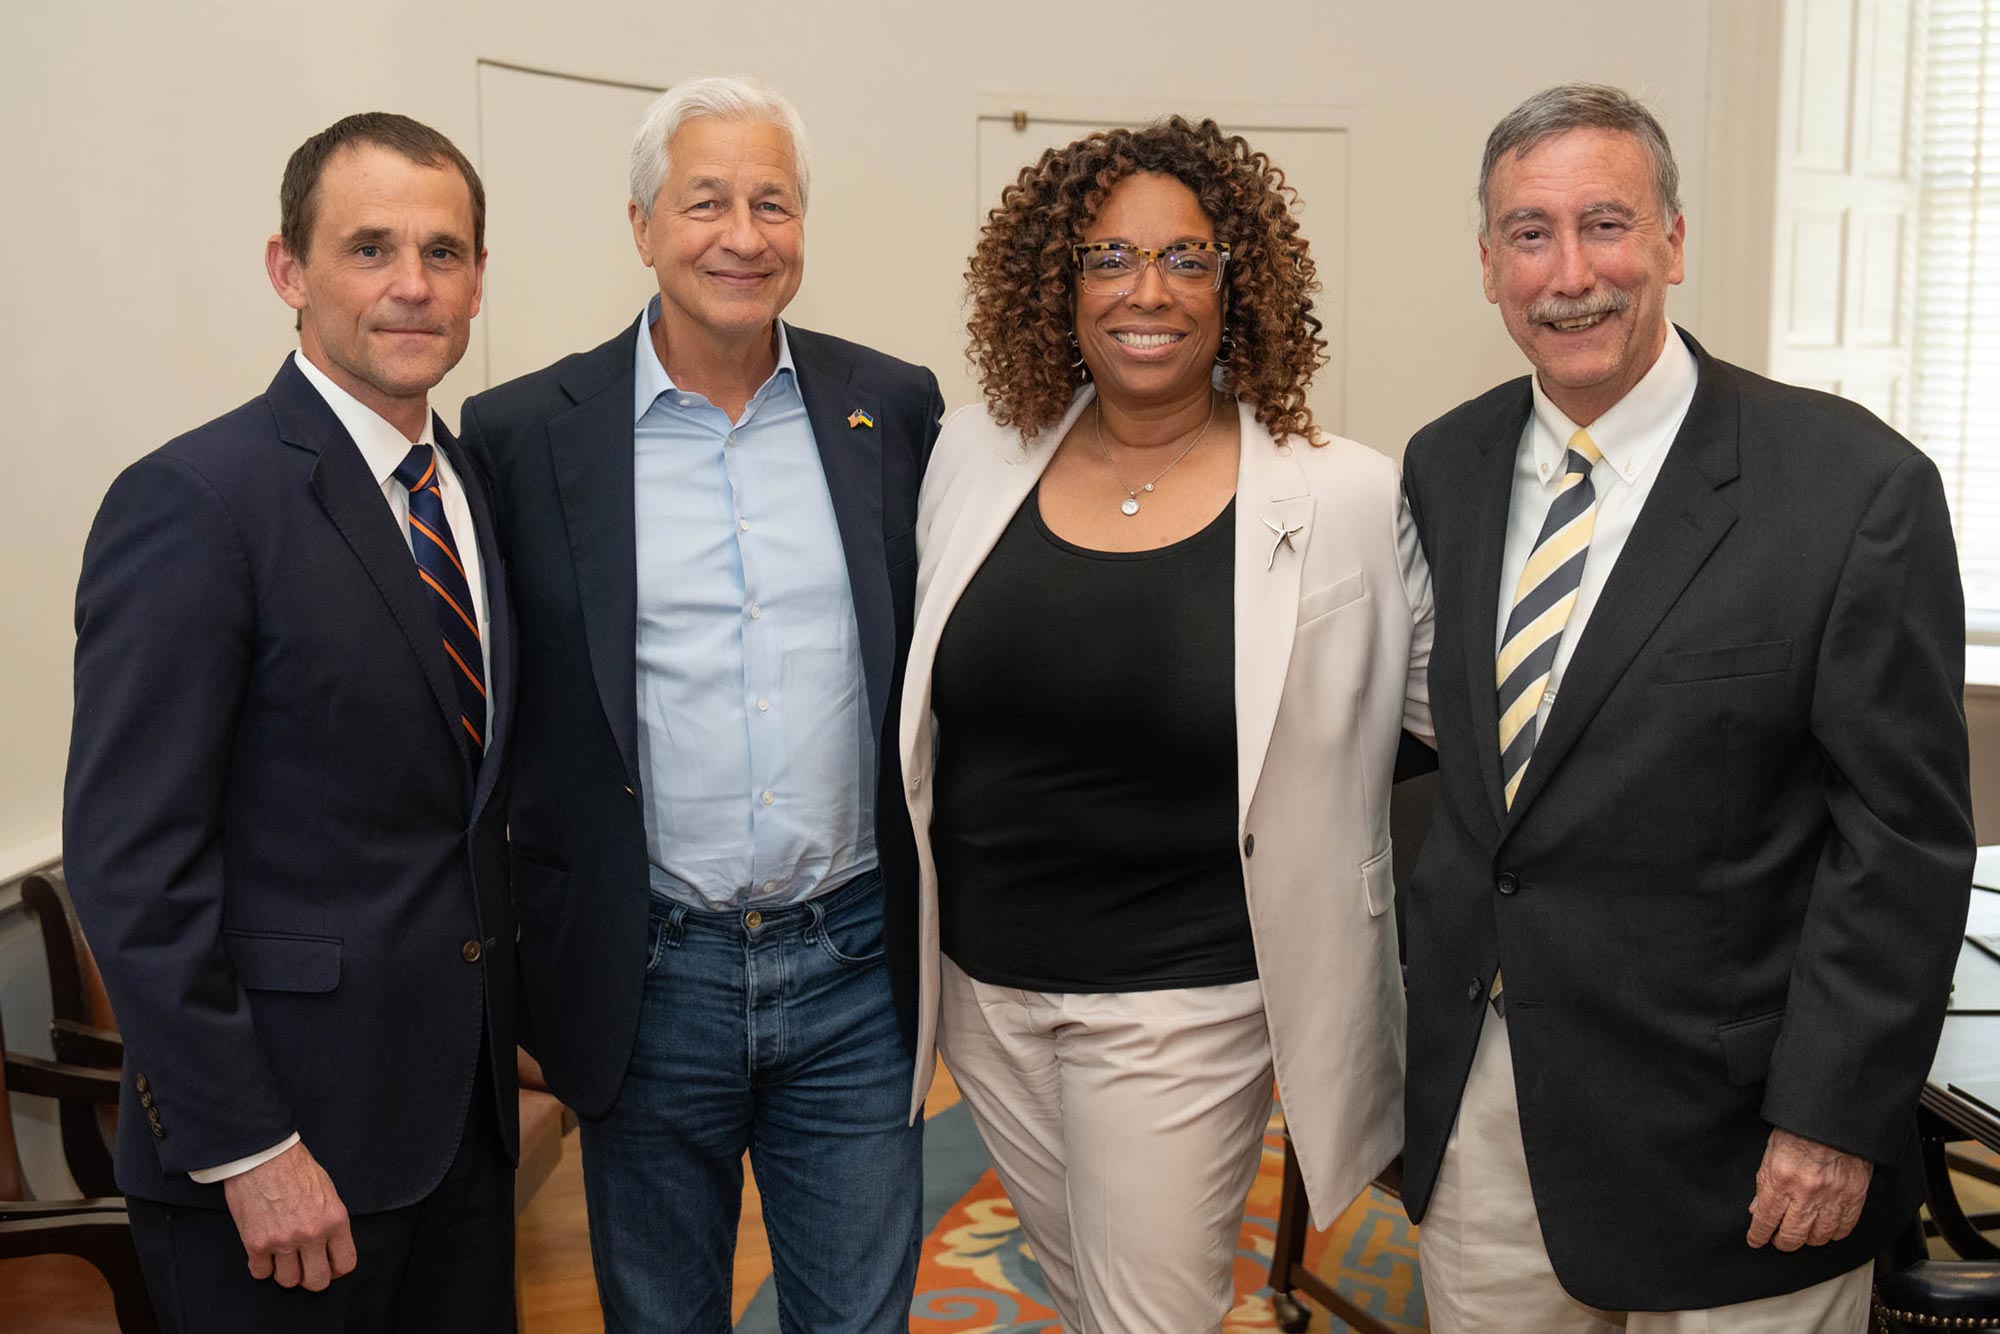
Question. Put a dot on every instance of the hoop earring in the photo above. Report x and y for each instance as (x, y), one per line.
(1078, 364)
(1225, 350)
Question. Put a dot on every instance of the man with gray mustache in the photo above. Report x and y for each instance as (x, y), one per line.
(1681, 935)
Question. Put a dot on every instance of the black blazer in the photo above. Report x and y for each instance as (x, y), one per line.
(294, 885)
(559, 446)
(1729, 893)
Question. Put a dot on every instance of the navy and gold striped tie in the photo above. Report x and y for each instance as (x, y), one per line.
(443, 574)
(1543, 600)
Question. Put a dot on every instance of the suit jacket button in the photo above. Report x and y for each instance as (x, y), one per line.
(141, 1084)
(1472, 989)
(470, 951)
(1507, 882)
(1249, 844)
(146, 1100)
(159, 1131)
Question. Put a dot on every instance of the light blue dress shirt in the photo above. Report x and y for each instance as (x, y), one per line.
(754, 740)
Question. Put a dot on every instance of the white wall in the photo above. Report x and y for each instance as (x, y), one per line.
(145, 141)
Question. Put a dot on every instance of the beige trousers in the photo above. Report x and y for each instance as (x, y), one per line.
(1127, 1129)
(1486, 1270)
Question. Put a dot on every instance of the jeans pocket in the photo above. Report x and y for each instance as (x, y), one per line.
(852, 939)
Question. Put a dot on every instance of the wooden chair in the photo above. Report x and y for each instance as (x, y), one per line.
(1410, 805)
(83, 1030)
(42, 1285)
(1938, 1294)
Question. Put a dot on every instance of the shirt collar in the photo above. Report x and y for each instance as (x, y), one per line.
(382, 446)
(1636, 426)
(650, 378)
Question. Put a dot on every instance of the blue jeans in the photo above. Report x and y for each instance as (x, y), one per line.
(779, 1038)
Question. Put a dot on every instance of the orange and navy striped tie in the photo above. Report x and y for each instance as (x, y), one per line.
(443, 574)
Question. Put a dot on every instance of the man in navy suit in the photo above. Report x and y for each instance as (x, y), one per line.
(710, 525)
(284, 816)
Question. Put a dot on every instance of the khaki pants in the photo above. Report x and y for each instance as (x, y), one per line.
(1486, 1270)
(1127, 1129)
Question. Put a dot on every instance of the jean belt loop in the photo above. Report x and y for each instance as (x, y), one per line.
(677, 923)
(818, 911)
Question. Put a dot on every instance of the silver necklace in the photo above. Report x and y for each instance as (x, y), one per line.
(1130, 505)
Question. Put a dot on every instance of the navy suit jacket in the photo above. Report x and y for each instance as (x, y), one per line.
(293, 880)
(558, 445)
(1729, 891)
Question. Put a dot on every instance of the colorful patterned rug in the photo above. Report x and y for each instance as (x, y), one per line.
(978, 1275)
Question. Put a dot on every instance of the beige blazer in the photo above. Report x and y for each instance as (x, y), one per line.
(1333, 639)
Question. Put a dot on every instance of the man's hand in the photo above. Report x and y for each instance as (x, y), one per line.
(1807, 1194)
(293, 1225)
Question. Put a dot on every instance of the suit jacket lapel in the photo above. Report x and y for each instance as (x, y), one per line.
(1271, 498)
(590, 448)
(851, 459)
(1681, 523)
(352, 499)
(499, 623)
(1492, 484)
(962, 538)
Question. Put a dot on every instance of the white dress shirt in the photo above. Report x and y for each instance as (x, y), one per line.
(383, 448)
(1633, 437)
(754, 731)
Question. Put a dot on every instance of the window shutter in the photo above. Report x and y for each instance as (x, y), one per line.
(1955, 409)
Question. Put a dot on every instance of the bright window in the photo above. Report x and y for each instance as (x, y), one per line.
(1955, 413)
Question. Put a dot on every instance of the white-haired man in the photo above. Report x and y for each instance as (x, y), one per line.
(1680, 936)
(709, 523)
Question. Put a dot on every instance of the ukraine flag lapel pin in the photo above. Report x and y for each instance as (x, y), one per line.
(858, 418)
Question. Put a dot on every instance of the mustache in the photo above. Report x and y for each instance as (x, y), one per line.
(1553, 309)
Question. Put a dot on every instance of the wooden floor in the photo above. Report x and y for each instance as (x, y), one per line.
(558, 1295)
(552, 1244)
(552, 1249)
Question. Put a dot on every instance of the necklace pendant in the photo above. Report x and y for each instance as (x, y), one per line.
(1129, 506)
(1148, 486)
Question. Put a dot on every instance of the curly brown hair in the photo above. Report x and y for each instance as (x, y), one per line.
(1021, 280)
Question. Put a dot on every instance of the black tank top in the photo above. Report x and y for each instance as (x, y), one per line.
(1085, 815)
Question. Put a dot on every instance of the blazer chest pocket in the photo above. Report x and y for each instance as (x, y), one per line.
(1722, 664)
(1747, 1045)
(279, 961)
(1330, 599)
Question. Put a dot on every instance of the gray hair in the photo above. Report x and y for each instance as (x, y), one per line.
(1582, 106)
(726, 97)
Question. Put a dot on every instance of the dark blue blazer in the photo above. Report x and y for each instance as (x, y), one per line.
(1729, 891)
(558, 447)
(294, 882)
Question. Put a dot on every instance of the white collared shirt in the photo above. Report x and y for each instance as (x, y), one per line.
(383, 449)
(755, 737)
(1633, 437)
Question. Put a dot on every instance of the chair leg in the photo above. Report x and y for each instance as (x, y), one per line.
(1977, 1168)
(1952, 1224)
(1289, 1246)
(1289, 1276)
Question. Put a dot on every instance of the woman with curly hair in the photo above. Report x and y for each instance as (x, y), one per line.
(1168, 637)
